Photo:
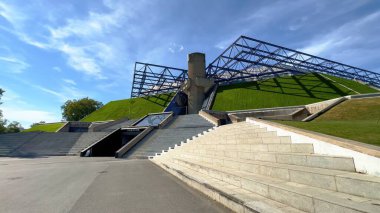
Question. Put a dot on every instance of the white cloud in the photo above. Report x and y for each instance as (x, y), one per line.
(57, 69)
(10, 96)
(11, 14)
(227, 42)
(64, 94)
(318, 48)
(61, 96)
(175, 48)
(354, 35)
(80, 59)
(15, 108)
(13, 64)
(84, 41)
(69, 81)
(26, 116)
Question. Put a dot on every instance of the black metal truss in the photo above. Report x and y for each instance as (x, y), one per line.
(249, 58)
(246, 59)
(151, 79)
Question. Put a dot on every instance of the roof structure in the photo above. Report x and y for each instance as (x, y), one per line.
(151, 79)
(247, 59)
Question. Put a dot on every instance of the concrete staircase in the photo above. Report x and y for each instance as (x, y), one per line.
(85, 140)
(46, 144)
(250, 169)
(11, 142)
(179, 129)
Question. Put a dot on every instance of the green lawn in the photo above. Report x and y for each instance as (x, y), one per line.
(357, 119)
(45, 127)
(283, 91)
(358, 87)
(131, 108)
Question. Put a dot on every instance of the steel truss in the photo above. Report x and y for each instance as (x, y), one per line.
(252, 59)
(247, 59)
(151, 79)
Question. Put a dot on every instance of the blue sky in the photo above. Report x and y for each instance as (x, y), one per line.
(52, 51)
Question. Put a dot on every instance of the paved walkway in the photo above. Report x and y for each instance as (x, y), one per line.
(73, 184)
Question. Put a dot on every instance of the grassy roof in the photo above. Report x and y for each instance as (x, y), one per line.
(355, 119)
(285, 91)
(50, 127)
(131, 108)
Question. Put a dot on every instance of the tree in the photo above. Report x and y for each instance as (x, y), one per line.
(74, 110)
(3, 129)
(14, 127)
(39, 123)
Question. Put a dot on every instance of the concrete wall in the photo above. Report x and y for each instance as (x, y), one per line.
(316, 107)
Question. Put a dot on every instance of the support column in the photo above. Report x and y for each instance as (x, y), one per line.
(198, 84)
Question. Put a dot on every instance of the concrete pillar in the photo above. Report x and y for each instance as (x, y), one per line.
(196, 70)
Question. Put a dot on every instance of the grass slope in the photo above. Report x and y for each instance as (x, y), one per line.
(284, 91)
(131, 108)
(45, 127)
(356, 119)
(358, 87)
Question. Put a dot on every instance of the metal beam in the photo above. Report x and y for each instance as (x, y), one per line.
(246, 53)
(151, 79)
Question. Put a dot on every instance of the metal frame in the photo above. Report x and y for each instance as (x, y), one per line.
(246, 59)
(152, 79)
(249, 58)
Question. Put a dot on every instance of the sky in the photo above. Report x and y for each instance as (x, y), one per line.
(52, 51)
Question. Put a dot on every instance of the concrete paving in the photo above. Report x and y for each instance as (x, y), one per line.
(73, 184)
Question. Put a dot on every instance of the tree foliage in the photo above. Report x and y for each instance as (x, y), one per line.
(13, 127)
(74, 110)
(36, 124)
(2, 122)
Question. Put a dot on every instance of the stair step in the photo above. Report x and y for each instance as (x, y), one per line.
(334, 180)
(234, 148)
(252, 159)
(300, 196)
(244, 139)
(236, 198)
(300, 159)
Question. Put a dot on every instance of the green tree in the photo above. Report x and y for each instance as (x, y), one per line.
(3, 122)
(39, 123)
(14, 127)
(74, 110)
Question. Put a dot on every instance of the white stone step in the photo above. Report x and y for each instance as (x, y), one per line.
(235, 198)
(300, 159)
(300, 196)
(244, 140)
(334, 180)
(222, 132)
(259, 147)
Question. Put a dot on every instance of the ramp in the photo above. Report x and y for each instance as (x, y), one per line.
(179, 129)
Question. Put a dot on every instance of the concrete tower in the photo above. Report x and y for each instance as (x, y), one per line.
(197, 83)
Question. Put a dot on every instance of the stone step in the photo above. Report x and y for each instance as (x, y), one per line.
(300, 159)
(241, 135)
(233, 197)
(244, 140)
(238, 131)
(264, 147)
(300, 196)
(334, 180)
